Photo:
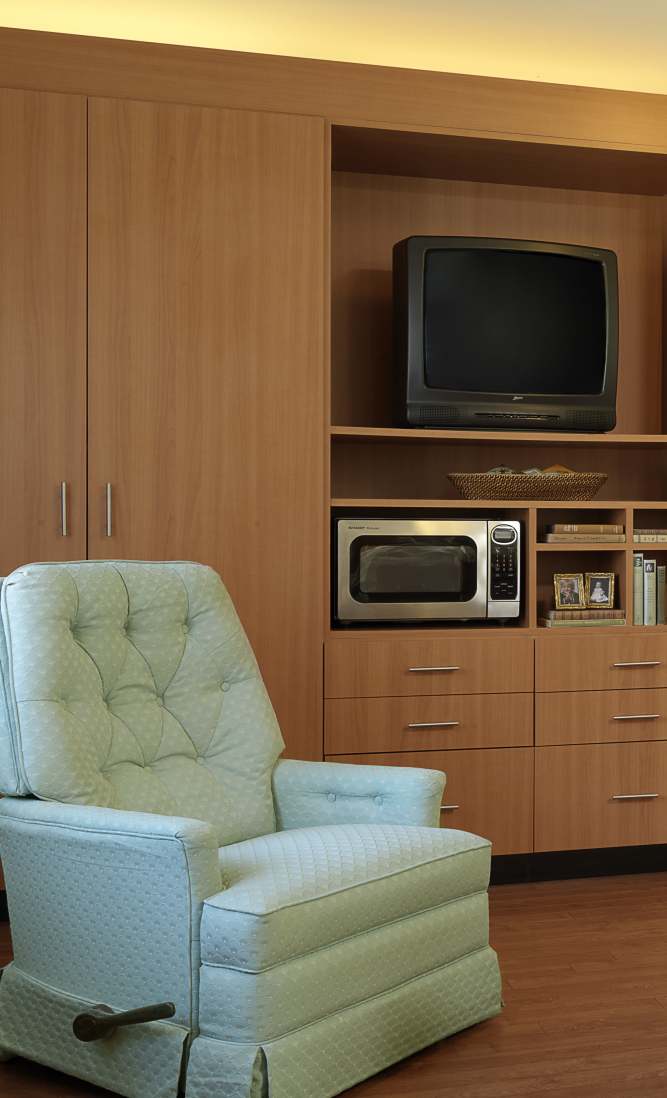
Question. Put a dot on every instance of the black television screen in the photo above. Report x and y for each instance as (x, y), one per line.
(516, 333)
(513, 322)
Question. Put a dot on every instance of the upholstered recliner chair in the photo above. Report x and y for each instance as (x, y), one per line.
(310, 922)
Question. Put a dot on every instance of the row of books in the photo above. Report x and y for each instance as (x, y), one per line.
(650, 535)
(584, 618)
(648, 590)
(571, 532)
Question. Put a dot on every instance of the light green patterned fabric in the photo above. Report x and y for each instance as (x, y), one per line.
(335, 1053)
(262, 1006)
(133, 686)
(296, 891)
(300, 961)
(139, 1061)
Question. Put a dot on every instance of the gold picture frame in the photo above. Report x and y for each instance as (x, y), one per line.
(599, 590)
(569, 590)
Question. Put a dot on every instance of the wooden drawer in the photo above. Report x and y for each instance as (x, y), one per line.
(600, 716)
(575, 789)
(492, 791)
(600, 663)
(467, 665)
(428, 724)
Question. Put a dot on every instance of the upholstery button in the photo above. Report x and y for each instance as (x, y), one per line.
(378, 800)
(331, 797)
(226, 686)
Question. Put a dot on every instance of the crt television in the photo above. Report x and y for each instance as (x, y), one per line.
(505, 334)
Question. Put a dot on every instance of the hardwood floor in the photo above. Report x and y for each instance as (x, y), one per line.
(585, 982)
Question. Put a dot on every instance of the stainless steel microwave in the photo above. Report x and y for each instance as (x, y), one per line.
(426, 569)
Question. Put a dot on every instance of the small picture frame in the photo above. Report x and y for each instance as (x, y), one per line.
(569, 590)
(599, 590)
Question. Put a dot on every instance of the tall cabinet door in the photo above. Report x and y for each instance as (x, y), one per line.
(206, 367)
(42, 327)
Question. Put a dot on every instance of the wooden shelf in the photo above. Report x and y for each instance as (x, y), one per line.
(518, 438)
(532, 161)
(500, 504)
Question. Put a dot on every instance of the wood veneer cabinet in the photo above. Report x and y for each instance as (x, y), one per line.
(600, 716)
(459, 704)
(206, 264)
(441, 723)
(239, 268)
(600, 663)
(446, 665)
(42, 326)
(597, 795)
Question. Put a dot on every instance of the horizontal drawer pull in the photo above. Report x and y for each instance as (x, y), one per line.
(634, 796)
(453, 668)
(434, 724)
(638, 717)
(452, 807)
(639, 663)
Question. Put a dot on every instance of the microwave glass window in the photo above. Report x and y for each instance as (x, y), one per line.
(413, 569)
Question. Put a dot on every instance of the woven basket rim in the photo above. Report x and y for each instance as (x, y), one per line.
(531, 476)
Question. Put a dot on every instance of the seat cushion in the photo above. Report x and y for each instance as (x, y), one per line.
(292, 892)
(132, 685)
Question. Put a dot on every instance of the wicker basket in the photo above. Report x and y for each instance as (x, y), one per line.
(558, 486)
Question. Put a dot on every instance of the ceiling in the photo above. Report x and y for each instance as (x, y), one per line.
(600, 43)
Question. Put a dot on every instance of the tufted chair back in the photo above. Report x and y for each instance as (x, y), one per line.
(132, 685)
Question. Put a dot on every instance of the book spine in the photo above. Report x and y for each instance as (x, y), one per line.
(650, 593)
(662, 581)
(570, 615)
(638, 589)
(549, 623)
(585, 528)
(570, 539)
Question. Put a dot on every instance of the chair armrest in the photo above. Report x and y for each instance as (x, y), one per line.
(106, 904)
(311, 794)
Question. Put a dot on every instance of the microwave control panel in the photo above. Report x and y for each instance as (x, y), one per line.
(504, 563)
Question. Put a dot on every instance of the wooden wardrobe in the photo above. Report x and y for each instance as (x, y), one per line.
(162, 295)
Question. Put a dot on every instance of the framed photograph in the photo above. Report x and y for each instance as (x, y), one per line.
(569, 591)
(599, 590)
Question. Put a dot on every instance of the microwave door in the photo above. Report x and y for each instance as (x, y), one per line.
(427, 575)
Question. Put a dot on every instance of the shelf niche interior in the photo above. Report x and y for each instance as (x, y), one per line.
(395, 469)
(487, 188)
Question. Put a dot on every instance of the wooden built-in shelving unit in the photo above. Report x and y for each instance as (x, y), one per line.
(392, 182)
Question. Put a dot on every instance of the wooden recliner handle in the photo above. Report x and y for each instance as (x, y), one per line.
(101, 1021)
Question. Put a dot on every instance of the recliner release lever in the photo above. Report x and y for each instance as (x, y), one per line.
(102, 1021)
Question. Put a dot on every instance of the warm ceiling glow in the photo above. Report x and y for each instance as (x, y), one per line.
(600, 43)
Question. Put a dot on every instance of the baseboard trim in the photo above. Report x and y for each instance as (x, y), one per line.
(568, 864)
(4, 912)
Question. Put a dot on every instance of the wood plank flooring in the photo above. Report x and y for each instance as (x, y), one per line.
(585, 982)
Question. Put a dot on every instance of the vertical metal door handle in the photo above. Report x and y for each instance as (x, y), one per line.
(64, 531)
(109, 512)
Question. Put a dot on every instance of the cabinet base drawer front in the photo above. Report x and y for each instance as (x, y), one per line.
(600, 716)
(367, 668)
(600, 663)
(489, 793)
(597, 795)
(428, 724)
